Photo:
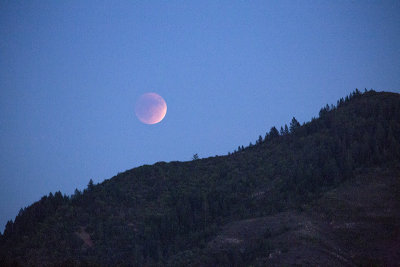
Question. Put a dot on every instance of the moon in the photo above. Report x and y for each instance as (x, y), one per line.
(150, 108)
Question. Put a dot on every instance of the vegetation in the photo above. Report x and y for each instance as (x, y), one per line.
(168, 213)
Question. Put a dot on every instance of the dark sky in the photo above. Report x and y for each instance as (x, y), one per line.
(70, 74)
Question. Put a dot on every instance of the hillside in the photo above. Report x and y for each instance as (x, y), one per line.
(326, 192)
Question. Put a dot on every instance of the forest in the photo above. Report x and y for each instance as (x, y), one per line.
(175, 213)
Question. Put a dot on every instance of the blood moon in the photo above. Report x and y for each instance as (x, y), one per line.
(150, 108)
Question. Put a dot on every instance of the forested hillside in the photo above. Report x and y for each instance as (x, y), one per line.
(250, 207)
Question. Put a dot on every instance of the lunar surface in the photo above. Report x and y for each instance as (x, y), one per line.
(150, 108)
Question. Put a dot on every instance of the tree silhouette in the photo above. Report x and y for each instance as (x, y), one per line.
(294, 125)
(260, 140)
(273, 133)
(90, 185)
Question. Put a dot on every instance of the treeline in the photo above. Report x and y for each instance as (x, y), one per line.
(294, 124)
(166, 213)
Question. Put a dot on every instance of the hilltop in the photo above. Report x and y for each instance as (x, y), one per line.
(323, 193)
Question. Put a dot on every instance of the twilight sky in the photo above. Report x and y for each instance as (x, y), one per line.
(70, 74)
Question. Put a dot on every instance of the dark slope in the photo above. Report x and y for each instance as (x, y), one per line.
(289, 192)
(357, 223)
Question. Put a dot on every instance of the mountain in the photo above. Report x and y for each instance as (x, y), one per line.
(323, 193)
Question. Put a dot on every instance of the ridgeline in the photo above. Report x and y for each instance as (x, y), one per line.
(323, 193)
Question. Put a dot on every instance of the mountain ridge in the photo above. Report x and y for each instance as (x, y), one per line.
(177, 213)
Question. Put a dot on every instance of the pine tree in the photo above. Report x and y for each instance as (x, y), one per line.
(286, 129)
(77, 193)
(9, 228)
(273, 133)
(294, 125)
(90, 185)
(260, 140)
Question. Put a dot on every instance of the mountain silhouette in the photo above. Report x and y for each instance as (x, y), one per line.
(323, 193)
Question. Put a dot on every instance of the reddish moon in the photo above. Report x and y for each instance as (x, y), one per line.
(151, 108)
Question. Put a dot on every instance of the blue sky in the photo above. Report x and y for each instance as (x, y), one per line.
(70, 74)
